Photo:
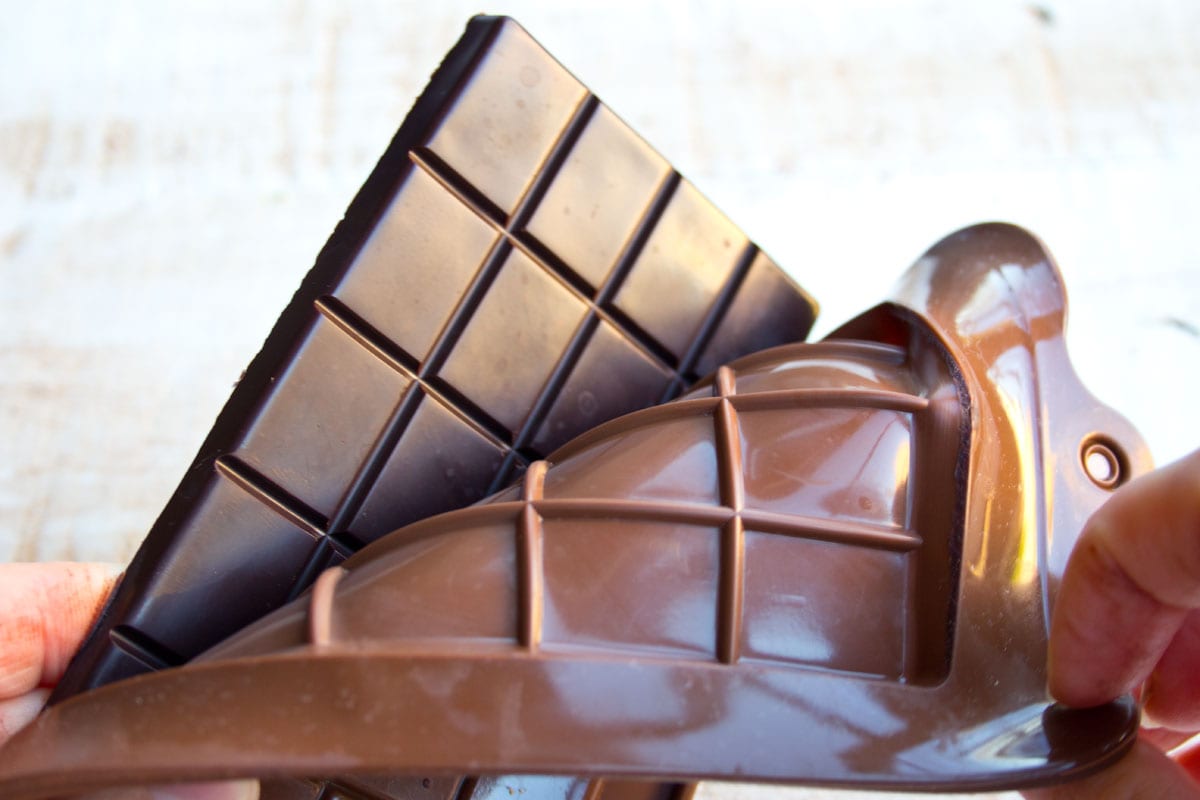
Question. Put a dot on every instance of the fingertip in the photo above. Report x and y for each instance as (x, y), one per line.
(45, 611)
(1107, 630)
(1093, 655)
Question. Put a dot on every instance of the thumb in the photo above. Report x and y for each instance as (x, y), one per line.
(1144, 772)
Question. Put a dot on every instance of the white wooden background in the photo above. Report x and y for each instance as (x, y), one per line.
(168, 171)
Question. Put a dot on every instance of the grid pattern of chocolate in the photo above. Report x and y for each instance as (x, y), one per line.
(519, 268)
(503, 302)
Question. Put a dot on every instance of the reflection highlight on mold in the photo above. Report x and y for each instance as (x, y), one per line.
(642, 463)
(655, 588)
(1012, 376)
(828, 605)
(851, 464)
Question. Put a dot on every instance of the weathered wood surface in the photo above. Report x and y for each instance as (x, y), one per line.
(168, 171)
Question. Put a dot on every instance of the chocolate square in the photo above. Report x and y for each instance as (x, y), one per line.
(599, 197)
(456, 460)
(518, 331)
(507, 118)
(417, 265)
(689, 256)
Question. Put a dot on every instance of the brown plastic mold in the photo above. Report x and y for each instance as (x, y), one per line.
(830, 563)
(493, 290)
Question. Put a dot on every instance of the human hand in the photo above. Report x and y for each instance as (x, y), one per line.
(45, 611)
(1128, 616)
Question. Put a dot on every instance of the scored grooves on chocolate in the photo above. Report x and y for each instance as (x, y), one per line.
(343, 320)
(519, 268)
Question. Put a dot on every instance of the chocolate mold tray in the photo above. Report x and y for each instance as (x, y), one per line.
(830, 563)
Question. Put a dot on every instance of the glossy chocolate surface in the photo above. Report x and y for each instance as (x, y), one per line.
(495, 289)
(830, 563)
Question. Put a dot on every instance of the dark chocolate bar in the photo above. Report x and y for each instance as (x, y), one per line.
(518, 268)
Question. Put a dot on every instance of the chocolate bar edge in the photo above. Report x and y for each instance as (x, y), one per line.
(332, 260)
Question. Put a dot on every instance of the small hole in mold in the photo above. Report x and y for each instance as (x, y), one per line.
(1103, 463)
